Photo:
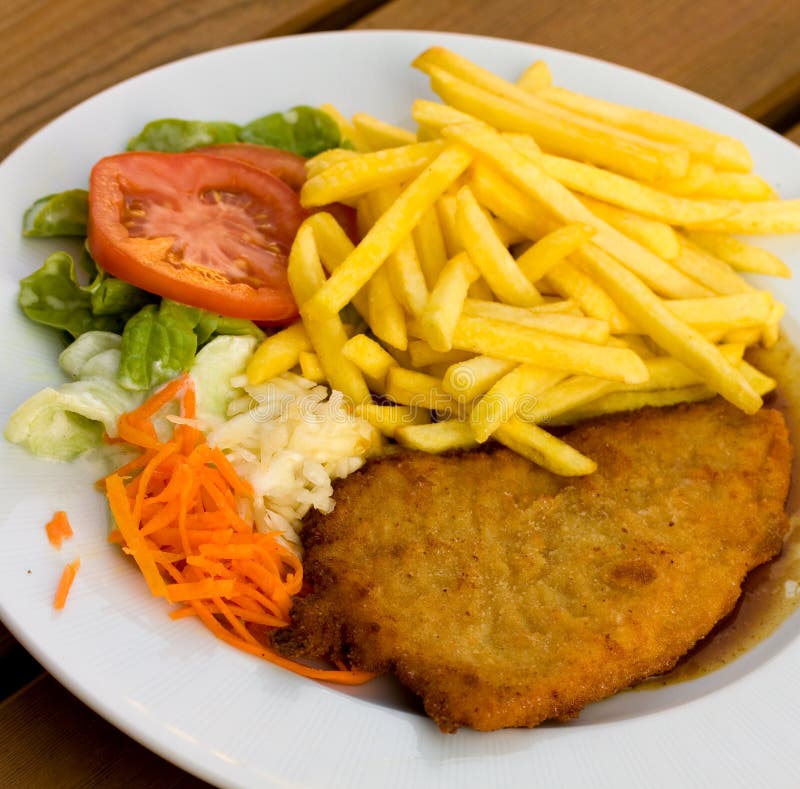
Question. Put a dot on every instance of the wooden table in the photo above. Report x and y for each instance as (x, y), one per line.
(57, 52)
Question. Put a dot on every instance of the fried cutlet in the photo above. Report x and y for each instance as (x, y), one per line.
(505, 596)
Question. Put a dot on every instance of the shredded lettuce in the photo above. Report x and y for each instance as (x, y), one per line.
(63, 423)
(214, 367)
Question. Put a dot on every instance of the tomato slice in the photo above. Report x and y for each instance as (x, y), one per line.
(203, 230)
(287, 166)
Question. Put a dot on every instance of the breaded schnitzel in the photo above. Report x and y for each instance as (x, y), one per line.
(504, 596)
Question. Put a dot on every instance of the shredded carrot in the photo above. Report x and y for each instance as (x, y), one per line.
(177, 514)
(65, 584)
(59, 529)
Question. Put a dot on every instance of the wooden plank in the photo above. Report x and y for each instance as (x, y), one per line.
(47, 738)
(735, 51)
(794, 134)
(53, 57)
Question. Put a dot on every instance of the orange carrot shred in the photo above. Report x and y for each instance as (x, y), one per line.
(65, 584)
(177, 508)
(58, 529)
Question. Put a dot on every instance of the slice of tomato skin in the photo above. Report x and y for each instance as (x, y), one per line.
(288, 166)
(131, 193)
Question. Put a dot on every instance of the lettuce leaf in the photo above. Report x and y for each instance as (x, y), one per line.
(220, 361)
(303, 130)
(53, 296)
(159, 343)
(61, 214)
(65, 422)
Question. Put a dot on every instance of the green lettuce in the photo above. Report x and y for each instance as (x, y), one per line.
(62, 214)
(53, 296)
(303, 130)
(160, 342)
(171, 135)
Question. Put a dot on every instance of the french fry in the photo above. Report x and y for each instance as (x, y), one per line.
(478, 92)
(575, 284)
(402, 266)
(436, 115)
(441, 313)
(762, 383)
(577, 327)
(771, 332)
(410, 387)
(740, 255)
(386, 317)
(380, 135)
(535, 77)
(490, 256)
(656, 236)
(531, 346)
(512, 394)
(278, 353)
(767, 216)
(697, 175)
(543, 448)
(322, 161)
(468, 379)
(710, 271)
(357, 175)
(625, 290)
(533, 181)
(368, 355)
(666, 372)
(519, 210)
(388, 418)
(720, 150)
(551, 249)
(310, 367)
(748, 336)
(429, 242)
(566, 395)
(333, 247)
(616, 402)
(637, 343)
(384, 236)
(446, 214)
(738, 311)
(327, 335)
(346, 129)
(437, 437)
(672, 334)
(631, 194)
(736, 186)
(422, 355)
(560, 136)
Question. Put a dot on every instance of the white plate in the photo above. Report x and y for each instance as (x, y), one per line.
(237, 721)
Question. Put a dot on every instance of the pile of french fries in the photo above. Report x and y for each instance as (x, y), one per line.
(529, 257)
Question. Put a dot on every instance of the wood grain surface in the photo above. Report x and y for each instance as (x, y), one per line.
(739, 52)
(56, 53)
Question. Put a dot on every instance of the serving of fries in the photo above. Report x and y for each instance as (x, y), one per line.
(529, 257)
